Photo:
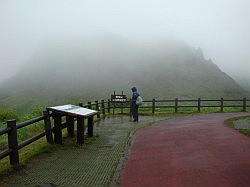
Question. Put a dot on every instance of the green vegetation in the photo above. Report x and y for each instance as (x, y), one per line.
(166, 69)
(243, 120)
(6, 114)
(23, 133)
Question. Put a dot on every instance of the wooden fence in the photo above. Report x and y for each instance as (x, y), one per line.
(104, 107)
(11, 130)
(176, 104)
(13, 145)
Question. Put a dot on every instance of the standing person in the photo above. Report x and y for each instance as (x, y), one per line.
(134, 106)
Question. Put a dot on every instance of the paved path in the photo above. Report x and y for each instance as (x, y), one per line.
(189, 151)
(88, 166)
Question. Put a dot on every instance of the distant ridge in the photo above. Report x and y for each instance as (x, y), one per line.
(92, 68)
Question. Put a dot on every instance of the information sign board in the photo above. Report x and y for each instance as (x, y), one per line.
(119, 98)
(73, 110)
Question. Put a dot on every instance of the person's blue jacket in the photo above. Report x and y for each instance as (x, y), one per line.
(134, 96)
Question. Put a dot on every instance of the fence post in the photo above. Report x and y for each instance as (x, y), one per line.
(114, 106)
(199, 104)
(47, 126)
(176, 105)
(97, 108)
(221, 104)
(244, 104)
(103, 108)
(12, 142)
(108, 106)
(89, 105)
(130, 108)
(153, 106)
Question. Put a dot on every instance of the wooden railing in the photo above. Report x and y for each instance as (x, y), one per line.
(103, 107)
(12, 128)
(11, 131)
(199, 103)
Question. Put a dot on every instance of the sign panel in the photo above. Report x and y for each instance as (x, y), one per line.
(73, 110)
(118, 98)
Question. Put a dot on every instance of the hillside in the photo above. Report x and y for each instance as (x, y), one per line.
(243, 81)
(87, 69)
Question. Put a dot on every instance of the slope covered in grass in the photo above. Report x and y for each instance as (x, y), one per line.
(75, 69)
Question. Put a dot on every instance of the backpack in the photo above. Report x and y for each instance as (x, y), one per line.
(139, 101)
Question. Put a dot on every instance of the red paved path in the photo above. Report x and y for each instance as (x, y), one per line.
(189, 151)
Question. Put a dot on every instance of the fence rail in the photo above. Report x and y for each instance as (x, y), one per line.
(104, 107)
(29, 122)
(176, 104)
(4, 130)
(13, 145)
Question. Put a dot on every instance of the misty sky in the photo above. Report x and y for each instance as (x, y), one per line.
(220, 27)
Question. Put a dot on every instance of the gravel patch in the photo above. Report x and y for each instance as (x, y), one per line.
(242, 124)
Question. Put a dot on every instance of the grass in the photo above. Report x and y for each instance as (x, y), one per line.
(231, 123)
(23, 133)
(181, 111)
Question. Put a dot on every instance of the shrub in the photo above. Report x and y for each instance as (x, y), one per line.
(6, 114)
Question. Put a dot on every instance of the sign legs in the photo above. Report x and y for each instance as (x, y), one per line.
(58, 130)
(70, 125)
(90, 126)
(80, 130)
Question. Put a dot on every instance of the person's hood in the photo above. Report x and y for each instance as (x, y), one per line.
(134, 89)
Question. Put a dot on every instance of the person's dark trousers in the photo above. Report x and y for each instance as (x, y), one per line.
(135, 112)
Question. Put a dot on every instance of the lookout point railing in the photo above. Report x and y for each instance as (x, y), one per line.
(104, 107)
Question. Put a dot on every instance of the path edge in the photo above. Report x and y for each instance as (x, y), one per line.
(117, 177)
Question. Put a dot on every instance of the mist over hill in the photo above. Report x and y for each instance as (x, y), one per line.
(243, 81)
(92, 68)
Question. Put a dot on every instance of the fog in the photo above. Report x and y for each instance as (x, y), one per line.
(220, 27)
